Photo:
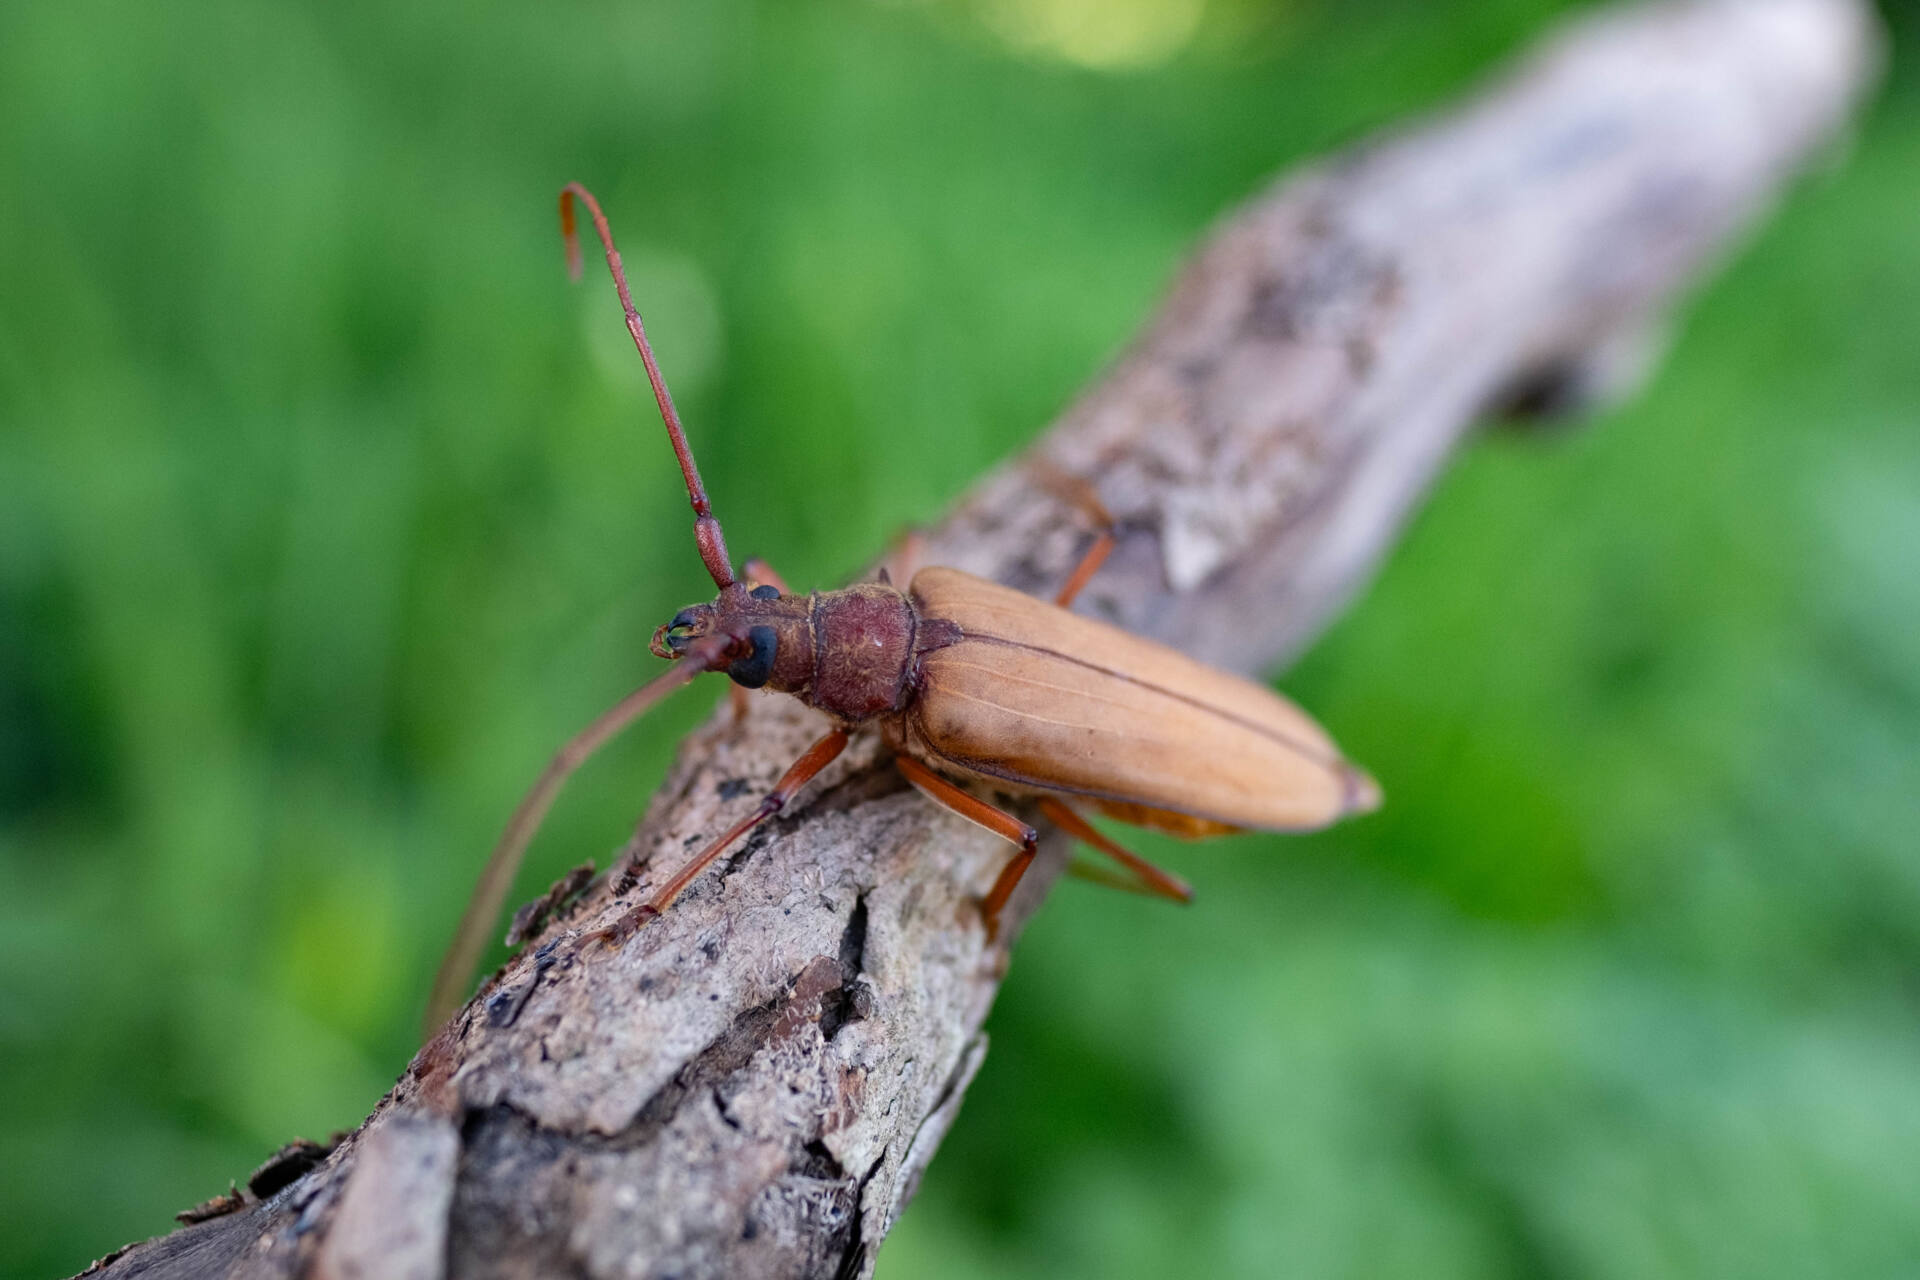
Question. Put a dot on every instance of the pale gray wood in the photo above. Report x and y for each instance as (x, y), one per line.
(754, 1084)
(392, 1221)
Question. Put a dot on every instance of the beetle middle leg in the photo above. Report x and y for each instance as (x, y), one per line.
(818, 757)
(978, 811)
(1146, 878)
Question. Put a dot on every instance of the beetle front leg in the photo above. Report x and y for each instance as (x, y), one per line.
(818, 757)
(757, 573)
(490, 891)
(978, 811)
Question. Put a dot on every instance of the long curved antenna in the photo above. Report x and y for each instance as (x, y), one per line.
(706, 529)
(490, 892)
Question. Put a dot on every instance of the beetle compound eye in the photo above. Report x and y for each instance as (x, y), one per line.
(756, 668)
(767, 592)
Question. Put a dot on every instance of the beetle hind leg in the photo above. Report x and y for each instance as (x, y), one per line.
(1141, 876)
(904, 558)
(1079, 492)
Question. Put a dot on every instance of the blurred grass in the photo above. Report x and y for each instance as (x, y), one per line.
(327, 508)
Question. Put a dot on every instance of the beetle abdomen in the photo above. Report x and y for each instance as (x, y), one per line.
(1036, 698)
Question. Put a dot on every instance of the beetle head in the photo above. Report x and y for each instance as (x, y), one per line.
(773, 644)
(688, 625)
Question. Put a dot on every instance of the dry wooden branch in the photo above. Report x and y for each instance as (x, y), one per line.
(753, 1085)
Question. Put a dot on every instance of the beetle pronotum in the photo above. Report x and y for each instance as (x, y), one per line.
(967, 681)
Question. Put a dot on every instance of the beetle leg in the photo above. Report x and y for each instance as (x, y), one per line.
(904, 560)
(978, 811)
(818, 757)
(759, 573)
(1079, 492)
(1146, 877)
(755, 573)
(490, 891)
(1089, 565)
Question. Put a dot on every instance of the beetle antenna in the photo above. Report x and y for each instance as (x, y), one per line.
(490, 891)
(706, 529)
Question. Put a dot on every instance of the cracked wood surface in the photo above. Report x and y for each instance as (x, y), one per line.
(753, 1084)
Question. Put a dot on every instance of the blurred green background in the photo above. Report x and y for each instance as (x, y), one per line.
(328, 507)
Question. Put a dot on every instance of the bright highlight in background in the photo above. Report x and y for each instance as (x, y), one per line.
(1107, 35)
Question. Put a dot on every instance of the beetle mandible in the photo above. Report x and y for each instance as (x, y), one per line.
(967, 681)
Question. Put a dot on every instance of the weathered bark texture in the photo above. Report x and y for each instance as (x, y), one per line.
(754, 1084)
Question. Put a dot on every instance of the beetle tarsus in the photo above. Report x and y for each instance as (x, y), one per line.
(630, 923)
(1143, 876)
(1009, 879)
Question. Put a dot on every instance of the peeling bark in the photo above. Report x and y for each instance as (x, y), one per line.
(754, 1084)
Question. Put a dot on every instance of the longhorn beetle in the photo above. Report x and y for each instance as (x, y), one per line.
(967, 681)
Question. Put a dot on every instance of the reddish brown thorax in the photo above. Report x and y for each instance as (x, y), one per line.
(849, 652)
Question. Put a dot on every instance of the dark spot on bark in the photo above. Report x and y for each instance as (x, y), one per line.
(811, 992)
(228, 1201)
(1556, 393)
(815, 1161)
(288, 1165)
(853, 1003)
(720, 1105)
(732, 788)
(562, 893)
(508, 1161)
(725, 1054)
(853, 940)
(504, 1006)
(853, 1253)
(852, 1000)
(858, 788)
(628, 877)
(754, 844)
(1270, 312)
(314, 1211)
